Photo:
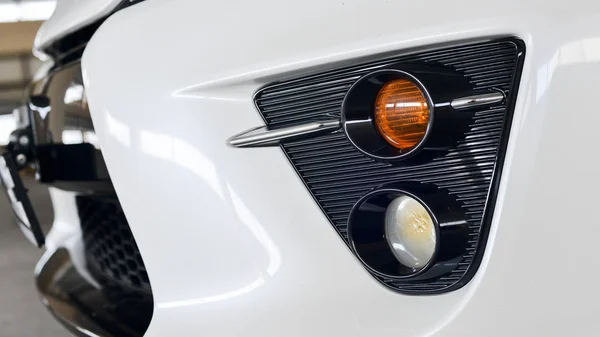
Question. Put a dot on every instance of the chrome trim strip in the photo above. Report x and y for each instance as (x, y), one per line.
(262, 136)
(477, 100)
(49, 271)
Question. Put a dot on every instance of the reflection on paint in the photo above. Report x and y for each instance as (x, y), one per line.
(181, 153)
(247, 218)
(262, 71)
(156, 144)
(118, 130)
(579, 51)
(224, 296)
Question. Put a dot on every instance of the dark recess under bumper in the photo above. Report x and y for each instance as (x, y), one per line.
(85, 309)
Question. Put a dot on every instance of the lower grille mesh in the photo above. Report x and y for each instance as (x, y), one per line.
(338, 175)
(111, 251)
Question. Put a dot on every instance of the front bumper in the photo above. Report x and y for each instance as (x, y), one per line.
(91, 277)
(234, 243)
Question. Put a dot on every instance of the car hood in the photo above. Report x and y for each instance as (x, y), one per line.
(69, 16)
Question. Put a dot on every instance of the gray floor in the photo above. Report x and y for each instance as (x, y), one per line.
(21, 313)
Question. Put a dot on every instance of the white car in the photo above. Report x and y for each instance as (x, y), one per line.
(317, 168)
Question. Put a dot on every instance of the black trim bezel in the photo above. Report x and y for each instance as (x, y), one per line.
(490, 206)
(510, 99)
(367, 236)
(358, 111)
(366, 202)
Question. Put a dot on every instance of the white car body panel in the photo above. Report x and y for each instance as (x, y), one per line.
(68, 16)
(233, 242)
(66, 231)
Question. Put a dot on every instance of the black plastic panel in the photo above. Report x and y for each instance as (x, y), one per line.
(65, 152)
(338, 175)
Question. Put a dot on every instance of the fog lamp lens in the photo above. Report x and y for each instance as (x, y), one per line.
(410, 232)
(402, 114)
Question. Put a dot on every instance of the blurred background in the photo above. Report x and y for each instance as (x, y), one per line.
(19, 22)
(20, 311)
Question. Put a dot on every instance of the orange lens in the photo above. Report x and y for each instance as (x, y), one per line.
(401, 114)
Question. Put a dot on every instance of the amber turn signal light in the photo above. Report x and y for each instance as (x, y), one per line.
(402, 114)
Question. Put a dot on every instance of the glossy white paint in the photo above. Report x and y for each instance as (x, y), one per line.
(66, 231)
(70, 15)
(233, 242)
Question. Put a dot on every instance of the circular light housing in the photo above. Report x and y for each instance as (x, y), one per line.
(388, 115)
(401, 114)
(410, 232)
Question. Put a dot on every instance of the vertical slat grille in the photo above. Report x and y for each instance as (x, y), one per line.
(337, 174)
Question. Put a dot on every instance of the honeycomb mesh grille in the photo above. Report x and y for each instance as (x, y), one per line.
(111, 251)
(338, 175)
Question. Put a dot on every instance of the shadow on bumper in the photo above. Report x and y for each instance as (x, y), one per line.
(86, 309)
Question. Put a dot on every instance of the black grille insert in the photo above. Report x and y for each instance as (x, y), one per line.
(111, 251)
(338, 175)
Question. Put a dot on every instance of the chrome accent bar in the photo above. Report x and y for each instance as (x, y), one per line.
(262, 136)
(477, 100)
